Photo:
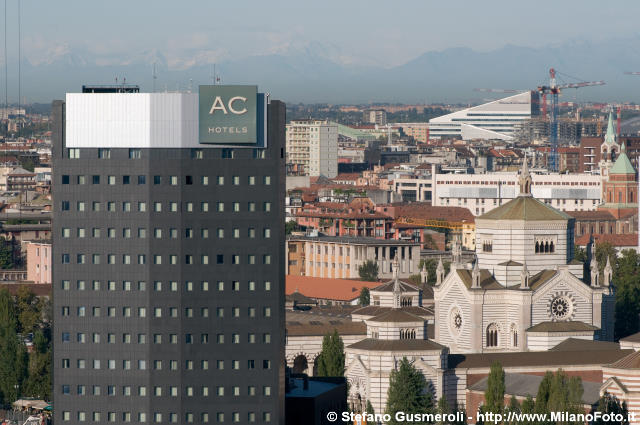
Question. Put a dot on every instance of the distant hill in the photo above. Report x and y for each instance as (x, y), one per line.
(317, 75)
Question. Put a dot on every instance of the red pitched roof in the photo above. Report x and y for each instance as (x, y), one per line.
(625, 240)
(591, 215)
(426, 211)
(326, 288)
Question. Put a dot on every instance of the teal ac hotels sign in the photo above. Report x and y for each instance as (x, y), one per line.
(228, 114)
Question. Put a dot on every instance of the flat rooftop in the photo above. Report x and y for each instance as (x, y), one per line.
(355, 240)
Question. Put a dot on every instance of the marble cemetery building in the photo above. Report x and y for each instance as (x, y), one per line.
(523, 295)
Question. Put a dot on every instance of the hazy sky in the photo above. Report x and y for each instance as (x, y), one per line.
(376, 32)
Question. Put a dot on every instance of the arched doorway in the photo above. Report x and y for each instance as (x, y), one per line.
(300, 364)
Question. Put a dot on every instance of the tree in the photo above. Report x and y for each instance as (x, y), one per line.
(364, 298)
(28, 310)
(408, 392)
(38, 384)
(494, 395)
(6, 254)
(544, 391)
(290, 227)
(332, 356)
(415, 279)
(559, 393)
(369, 408)
(528, 407)
(12, 351)
(368, 271)
(28, 164)
(514, 407)
(604, 250)
(610, 404)
(443, 407)
(625, 271)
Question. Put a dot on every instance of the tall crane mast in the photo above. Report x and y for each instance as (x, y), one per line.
(554, 89)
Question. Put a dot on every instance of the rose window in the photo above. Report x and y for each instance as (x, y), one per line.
(560, 308)
(456, 320)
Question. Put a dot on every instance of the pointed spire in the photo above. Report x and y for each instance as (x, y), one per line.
(424, 273)
(595, 272)
(610, 135)
(439, 272)
(525, 178)
(456, 252)
(397, 291)
(608, 273)
(394, 267)
(524, 276)
(475, 276)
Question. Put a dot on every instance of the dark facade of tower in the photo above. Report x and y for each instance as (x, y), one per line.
(168, 271)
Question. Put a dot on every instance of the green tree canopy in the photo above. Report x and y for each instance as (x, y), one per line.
(514, 406)
(6, 254)
(443, 407)
(369, 408)
(12, 351)
(559, 393)
(332, 356)
(39, 383)
(364, 298)
(28, 310)
(626, 270)
(494, 395)
(604, 250)
(290, 227)
(368, 271)
(408, 392)
(611, 405)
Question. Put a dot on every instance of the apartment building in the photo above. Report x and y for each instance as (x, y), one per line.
(313, 146)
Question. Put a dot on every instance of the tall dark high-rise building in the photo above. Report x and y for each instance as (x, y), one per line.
(168, 262)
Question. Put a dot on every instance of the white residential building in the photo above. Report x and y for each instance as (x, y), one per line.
(313, 144)
(493, 120)
(481, 193)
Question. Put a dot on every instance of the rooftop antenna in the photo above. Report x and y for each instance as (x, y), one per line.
(190, 85)
(154, 76)
(19, 59)
(6, 67)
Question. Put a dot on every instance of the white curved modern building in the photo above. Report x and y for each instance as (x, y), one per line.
(493, 120)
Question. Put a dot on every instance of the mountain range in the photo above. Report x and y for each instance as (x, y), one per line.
(318, 74)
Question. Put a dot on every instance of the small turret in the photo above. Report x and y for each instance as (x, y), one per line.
(456, 253)
(475, 276)
(595, 272)
(424, 274)
(397, 292)
(439, 272)
(608, 273)
(525, 178)
(524, 277)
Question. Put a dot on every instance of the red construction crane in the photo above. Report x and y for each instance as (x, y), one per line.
(554, 89)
